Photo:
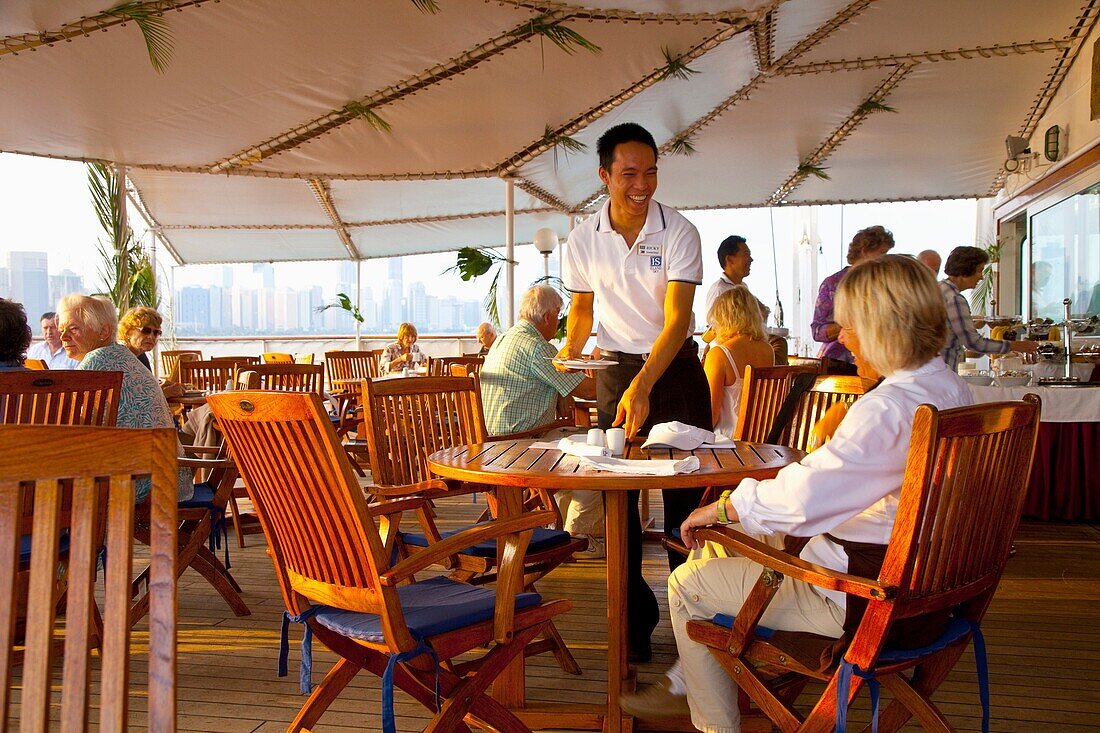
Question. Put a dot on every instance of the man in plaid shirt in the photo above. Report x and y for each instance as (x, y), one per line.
(519, 384)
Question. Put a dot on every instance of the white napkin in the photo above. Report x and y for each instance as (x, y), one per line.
(641, 468)
(577, 448)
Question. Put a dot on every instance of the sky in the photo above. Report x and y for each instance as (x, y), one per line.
(46, 207)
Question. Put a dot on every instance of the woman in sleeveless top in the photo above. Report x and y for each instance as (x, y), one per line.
(740, 341)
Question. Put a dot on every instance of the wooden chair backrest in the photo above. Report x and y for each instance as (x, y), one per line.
(763, 390)
(87, 469)
(472, 363)
(238, 360)
(304, 358)
(209, 376)
(36, 365)
(278, 357)
(290, 377)
(169, 360)
(349, 365)
(827, 390)
(324, 545)
(966, 478)
(60, 397)
(406, 420)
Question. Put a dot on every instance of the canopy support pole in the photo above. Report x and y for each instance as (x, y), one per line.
(124, 275)
(510, 248)
(358, 304)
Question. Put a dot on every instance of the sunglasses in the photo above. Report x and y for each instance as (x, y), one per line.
(150, 330)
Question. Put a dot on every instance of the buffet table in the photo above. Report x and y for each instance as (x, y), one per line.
(1065, 479)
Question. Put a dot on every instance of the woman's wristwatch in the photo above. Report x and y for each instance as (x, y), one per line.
(723, 517)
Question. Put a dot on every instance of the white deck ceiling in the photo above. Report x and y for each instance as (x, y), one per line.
(234, 150)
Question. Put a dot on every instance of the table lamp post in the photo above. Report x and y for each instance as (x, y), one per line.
(545, 242)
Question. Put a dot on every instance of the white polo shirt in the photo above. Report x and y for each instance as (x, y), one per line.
(60, 360)
(630, 283)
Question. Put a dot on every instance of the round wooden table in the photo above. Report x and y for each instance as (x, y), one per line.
(516, 464)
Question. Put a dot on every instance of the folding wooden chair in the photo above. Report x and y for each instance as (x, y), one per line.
(333, 558)
(209, 376)
(169, 360)
(762, 393)
(290, 377)
(277, 357)
(201, 523)
(237, 360)
(345, 371)
(85, 481)
(472, 365)
(59, 397)
(405, 420)
(36, 365)
(965, 482)
(280, 377)
(814, 396)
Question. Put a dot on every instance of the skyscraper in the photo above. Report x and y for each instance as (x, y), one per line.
(30, 282)
(393, 312)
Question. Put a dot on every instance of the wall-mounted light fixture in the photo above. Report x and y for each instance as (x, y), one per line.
(1053, 144)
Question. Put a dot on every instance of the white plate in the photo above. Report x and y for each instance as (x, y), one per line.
(585, 363)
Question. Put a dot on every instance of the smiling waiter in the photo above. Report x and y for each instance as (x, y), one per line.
(641, 261)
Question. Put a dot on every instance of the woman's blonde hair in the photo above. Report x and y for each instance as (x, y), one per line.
(895, 307)
(406, 329)
(139, 317)
(98, 314)
(737, 311)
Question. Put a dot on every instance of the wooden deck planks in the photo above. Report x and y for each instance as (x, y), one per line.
(1043, 633)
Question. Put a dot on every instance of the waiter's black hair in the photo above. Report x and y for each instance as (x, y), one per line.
(628, 132)
(729, 247)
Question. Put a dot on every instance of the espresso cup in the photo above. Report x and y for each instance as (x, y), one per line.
(596, 438)
(616, 441)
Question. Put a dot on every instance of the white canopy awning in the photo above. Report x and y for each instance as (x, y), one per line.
(254, 144)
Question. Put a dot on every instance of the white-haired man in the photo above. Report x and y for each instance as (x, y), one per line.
(486, 336)
(520, 389)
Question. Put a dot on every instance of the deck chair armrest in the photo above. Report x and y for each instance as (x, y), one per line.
(207, 463)
(439, 551)
(395, 506)
(795, 567)
(429, 489)
(215, 449)
(536, 432)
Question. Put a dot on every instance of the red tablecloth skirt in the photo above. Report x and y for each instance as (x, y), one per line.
(1065, 480)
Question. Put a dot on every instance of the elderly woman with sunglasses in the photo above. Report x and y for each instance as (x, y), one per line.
(88, 326)
(139, 330)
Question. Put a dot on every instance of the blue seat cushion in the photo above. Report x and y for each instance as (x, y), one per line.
(25, 547)
(431, 607)
(542, 539)
(203, 498)
(726, 620)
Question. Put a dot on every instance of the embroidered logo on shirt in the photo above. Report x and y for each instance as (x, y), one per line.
(655, 263)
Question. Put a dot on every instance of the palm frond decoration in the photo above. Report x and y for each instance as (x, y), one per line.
(568, 144)
(873, 105)
(426, 6)
(125, 268)
(372, 118)
(675, 67)
(809, 169)
(983, 291)
(560, 35)
(682, 146)
(154, 29)
(343, 302)
(473, 262)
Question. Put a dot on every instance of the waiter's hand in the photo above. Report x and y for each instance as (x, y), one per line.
(563, 355)
(633, 409)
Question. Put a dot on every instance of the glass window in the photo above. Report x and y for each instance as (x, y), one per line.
(1065, 256)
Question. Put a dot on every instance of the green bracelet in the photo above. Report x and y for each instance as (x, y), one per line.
(723, 518)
